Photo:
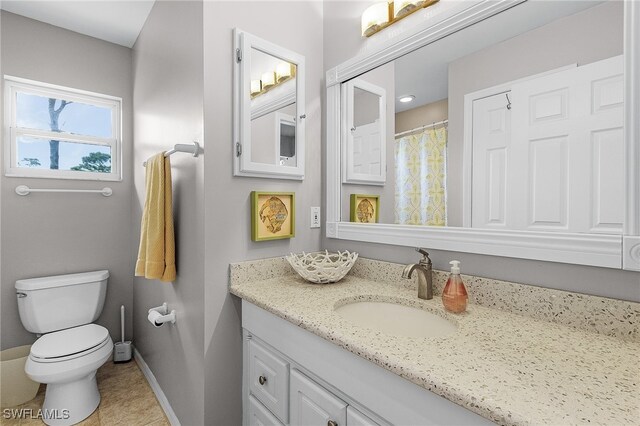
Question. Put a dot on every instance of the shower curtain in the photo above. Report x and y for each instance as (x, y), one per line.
(421, 163)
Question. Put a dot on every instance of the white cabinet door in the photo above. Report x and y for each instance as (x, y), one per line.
(269, 379)
(356, 418)
(259, 415)
(312, 405)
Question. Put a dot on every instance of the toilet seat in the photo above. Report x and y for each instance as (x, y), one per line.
(69, 344)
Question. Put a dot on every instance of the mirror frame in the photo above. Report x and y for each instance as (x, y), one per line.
(610, 251)
(243, 42)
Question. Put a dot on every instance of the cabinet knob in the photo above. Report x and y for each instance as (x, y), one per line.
(262, 380)
(332, 423)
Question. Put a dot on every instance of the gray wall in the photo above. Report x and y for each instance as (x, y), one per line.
(168, 78)
(342, 41)
(424, 114)
(565, 41)
(49, 234)
(296, 26)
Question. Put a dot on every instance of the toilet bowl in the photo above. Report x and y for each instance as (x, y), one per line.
(67, 361)
(71, 348)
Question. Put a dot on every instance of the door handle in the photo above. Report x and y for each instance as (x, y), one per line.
(262, 380)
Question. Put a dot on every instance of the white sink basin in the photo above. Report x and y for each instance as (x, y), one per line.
(396, 320)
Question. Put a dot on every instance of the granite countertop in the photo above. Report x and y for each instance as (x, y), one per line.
(509, 368)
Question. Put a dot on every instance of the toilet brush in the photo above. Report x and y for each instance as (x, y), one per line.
(122, 349)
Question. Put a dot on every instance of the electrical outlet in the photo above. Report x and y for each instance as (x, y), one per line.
(315, 217)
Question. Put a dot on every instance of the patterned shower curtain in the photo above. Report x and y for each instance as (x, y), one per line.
(421, 163)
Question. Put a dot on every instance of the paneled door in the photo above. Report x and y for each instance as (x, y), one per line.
(491, 150)
(555, 160)
(367, 149)
(312, 405)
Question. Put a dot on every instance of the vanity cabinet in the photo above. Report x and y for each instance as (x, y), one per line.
(294, 377)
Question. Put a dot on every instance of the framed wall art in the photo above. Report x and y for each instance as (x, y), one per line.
(365, 208)
(273, 215)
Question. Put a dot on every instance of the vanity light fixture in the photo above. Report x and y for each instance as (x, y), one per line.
(405, 99)
(268, 80)
(256, 87)
(382, 14)
(284, 72)
(375, 18)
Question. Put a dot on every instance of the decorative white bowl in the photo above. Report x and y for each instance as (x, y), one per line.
(322, 267)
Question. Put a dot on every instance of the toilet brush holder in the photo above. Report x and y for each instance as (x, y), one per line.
(122, 351)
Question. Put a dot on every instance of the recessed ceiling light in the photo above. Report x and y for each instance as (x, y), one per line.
(405, 99)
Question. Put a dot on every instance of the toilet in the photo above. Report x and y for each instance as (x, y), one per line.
(66, 357)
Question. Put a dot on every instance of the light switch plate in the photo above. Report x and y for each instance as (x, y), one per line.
(315, 217)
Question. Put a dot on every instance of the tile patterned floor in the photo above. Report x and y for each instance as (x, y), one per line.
(126, 399)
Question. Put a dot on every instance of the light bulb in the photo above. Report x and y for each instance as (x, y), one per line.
(283, 71)
(374, 18)
(268, 80)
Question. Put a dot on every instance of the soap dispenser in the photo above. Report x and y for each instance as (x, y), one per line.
(454, 295)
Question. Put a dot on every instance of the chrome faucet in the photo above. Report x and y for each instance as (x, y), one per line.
(425, 279)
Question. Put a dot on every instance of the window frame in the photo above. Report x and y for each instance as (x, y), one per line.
(13, 85)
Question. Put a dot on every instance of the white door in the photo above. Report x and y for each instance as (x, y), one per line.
(563, 157)
(491, 146)
(312, 405)
(367, 150)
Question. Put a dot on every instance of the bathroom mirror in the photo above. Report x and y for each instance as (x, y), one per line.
(268, 109)
(509, 130)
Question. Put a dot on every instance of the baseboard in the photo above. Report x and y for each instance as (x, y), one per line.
(155, 386)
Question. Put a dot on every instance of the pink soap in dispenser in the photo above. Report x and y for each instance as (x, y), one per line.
(454, 295)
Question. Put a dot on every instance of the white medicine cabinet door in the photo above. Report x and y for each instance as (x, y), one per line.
(269, 109)
(312, 405)
(364, 133)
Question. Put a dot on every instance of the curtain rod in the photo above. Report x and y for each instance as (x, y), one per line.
(426, 126)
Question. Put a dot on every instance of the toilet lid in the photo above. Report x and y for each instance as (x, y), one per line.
(70, 341)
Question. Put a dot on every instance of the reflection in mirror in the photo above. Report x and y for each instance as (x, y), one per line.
(479, 137)
(273, 110)
(365, 129)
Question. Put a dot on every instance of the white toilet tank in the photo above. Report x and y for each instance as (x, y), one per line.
(54, 303)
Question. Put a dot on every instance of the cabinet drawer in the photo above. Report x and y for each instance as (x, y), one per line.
(269, 379)
(313, 405)
(260, 416)
(356, 418)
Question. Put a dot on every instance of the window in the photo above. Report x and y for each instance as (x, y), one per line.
(59, 132)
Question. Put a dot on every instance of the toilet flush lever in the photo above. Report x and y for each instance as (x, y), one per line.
(21, 295)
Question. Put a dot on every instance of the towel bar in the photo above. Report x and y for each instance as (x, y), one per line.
(193, 149)
(25, 190)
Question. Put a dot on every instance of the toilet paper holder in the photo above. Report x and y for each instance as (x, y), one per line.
(160, 314)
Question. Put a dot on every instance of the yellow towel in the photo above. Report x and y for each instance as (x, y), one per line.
(156, 256)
